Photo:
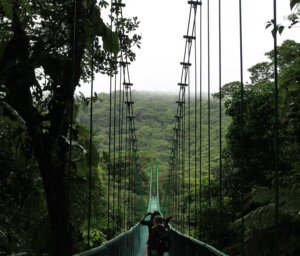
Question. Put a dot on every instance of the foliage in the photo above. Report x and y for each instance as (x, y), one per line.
(46, 50)
(153, 132)
(293, 18)
(24, 225)
(249, 156)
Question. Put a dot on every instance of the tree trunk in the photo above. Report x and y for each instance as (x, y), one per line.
(17, 72)
(53, 170)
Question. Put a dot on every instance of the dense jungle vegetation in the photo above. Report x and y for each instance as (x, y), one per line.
(46, 49)
(23, 200)
(44, 55)
(248, 156)
(254, 175)
(248, 160)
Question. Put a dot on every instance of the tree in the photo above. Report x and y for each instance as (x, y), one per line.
(293, 18)
(249, 157)
(45, 51)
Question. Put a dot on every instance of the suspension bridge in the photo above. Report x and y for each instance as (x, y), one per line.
(183, 170)
(134, 241)
(191, 190)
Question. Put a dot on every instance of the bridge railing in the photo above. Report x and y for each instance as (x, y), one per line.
(185, 245)
(127, 243)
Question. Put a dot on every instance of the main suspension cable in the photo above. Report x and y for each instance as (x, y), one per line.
(181, 142)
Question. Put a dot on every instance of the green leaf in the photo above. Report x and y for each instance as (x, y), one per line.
(262, 195)
(2, 47)
(110, 39)
(94, 155)
(7, 6)
(99, 26)
(106, 157)
(81, 168)
(11, 116)
(268, 24)
(293, 87)
(261, 218)
(280, 29)
(293, 3)
(111, 42)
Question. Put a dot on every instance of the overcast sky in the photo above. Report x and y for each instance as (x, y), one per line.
(163, 24)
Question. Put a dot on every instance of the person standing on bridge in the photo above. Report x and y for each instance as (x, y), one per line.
(159, 238)
(149, 222)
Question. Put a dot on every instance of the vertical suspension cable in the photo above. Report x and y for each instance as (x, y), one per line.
(195, 132)
(183, 165)
(91, 125)
(114, 194)
(183, 123)
(242, 128)
(157, 184)
(123, 154)
(124, 91)
(109, 142)
(109, 153)
(174, 166)
(276, 126)
(72, 103)
(208, 115)
(179, 170)
(126, 203)
(129, 161)
(200, 126)
(220, 127)
(125, 165)
(131, 198)
(120, 144)
(150, 186)
(177, 141)
(114, 155)
(189, 154)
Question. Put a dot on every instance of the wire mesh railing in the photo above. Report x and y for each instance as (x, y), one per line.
(128, 243)
(133, 241)
(185, 245)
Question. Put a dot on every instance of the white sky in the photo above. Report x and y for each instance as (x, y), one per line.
(163, 24)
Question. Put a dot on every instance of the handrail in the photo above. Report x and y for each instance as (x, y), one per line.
(127, 243)
(185, 245)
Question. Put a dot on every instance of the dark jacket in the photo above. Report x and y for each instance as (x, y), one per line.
(155, 233)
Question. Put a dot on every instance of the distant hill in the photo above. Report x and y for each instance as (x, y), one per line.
(154, 122)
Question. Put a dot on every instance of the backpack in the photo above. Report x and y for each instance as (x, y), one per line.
(162, 241)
